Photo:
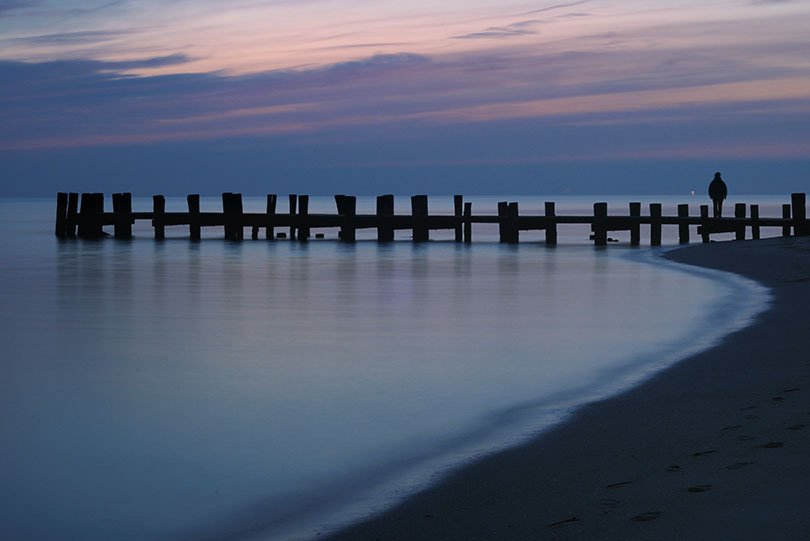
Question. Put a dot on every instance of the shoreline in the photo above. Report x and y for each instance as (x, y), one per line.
(712, 444)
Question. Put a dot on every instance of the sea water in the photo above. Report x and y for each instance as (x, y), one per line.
(273, 390)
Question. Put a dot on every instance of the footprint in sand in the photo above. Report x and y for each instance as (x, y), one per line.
(563, 522)
(608, 505)
(699, 488)
(771, 445)
(617, 485)
(646, 516)
(738, 465)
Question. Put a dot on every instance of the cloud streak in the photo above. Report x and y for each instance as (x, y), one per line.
(652, 74)
(515, 29)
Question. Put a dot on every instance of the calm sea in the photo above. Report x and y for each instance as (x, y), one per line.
(271, 390)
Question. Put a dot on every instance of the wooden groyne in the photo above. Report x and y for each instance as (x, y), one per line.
(85, 217)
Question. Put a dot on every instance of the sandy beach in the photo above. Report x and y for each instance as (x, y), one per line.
(713, 447)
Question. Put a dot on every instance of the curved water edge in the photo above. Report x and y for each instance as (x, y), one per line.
(744, 300)
(221, 388)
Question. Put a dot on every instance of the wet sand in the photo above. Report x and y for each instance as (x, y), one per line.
(716, 446)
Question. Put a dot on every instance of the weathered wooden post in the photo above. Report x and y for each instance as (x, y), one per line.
(514, 230)
(90, 221)
(99, 214)
(158, 210)
(599, 228)
(269, 231)
(194, 229)
(385, 213)
(655, 224)
(739, 214)
(61, 215)
(786, 216)
(116, 204)
(72, 214)
(635, 223)
(419, 212)
(468, 223)
(704, 223)
(458, 209)
(683, 227)
(551, 223)
(503, 211)
(227, 215)
(238, 211)
(303, 216)
(799, 211)
(87, 219)
(293, 202)
(347, 207)
(232, 212)
(122, 208)
(755, 222)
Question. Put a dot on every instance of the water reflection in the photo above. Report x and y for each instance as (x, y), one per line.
(207, 382)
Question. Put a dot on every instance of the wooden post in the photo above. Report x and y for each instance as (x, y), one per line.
(92, 206)
(468, 223)
(126, 201)
(551, 224)
(385, 211)
(158, 210)
(799, 212)
(269, 231)
(458, 209)
(514, 230)
(116, 204)
(704, 223)
(193, 201)
(61, 215)
(599, 227)
(293, 201)
(72, 214)
(655, 224)
(99, 208)
(347, 207)
(755, 222)
(503, 211)
(739, 213)
(683, 227)
(419, 211)
(786, 216)
(232, 211)
(122, 208)
(227, 215)
(239, 224)
(84, 215)
(635, 223)
(303, 216)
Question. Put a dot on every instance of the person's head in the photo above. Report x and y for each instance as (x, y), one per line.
(717, 176)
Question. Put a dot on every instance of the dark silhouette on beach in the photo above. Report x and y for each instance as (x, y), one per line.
(718, 192)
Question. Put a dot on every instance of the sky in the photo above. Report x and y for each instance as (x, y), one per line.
(378, 96)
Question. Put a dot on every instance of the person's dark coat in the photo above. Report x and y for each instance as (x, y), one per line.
(718, 190)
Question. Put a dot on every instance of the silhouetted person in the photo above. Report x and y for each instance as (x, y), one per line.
(718, 192)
